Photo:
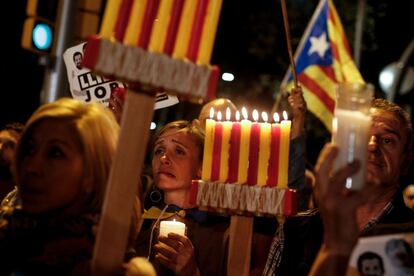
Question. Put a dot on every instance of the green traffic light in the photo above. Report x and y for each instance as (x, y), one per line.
(42, 36)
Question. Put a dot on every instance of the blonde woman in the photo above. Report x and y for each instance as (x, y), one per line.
(61, 167)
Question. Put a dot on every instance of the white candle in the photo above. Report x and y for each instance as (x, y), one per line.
(350, 133)
(172, 226)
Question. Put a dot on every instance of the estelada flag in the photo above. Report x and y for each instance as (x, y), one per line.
(323, 59)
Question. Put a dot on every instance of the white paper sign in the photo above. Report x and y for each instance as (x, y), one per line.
(88, 87)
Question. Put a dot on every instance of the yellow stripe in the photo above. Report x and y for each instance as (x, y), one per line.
(319, 76)
(135, 22)
(109, 18)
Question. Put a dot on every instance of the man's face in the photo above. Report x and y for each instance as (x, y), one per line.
(8, 142)
(371, 267)
(409, 196)
(386, 156)
(78, 61)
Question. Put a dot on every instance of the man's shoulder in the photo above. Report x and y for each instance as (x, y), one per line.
(305, 220)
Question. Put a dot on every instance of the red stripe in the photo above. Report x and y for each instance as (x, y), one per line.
(318, 91)
(328, 70)
(123, 19)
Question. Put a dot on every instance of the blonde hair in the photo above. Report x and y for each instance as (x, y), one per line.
(185, 126)
(97, 131)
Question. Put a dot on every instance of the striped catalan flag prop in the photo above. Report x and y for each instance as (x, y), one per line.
(323, 59)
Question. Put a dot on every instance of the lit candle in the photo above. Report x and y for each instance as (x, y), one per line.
(218, 135)
(135, 23)
(209, 31)
(159, 30)
(225, 146)
(254, 150)
(109, 18)
(264, 151)
(273, 169)
(148, 22)
(176, 12)
(244, 148)
(284, 151)
(208, 147)
(234, 150)
(196, 30)
(184, 30)
(123, 19)
(171, 226)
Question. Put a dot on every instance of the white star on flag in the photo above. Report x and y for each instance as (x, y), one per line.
(319, 45)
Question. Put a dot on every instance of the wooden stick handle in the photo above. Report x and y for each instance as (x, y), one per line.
(240, 246)
(289, 44)
(114, 225)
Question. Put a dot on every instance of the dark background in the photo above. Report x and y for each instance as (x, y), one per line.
(250, 43)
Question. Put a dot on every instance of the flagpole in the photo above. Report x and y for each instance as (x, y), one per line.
(288, 41)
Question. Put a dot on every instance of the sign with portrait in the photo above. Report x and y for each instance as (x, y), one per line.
(89, 87)
(383, 255)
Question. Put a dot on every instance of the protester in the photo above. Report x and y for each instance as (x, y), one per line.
(408, 194)
(177, 160)
(9, 135)
(347, 215)
(62, 164)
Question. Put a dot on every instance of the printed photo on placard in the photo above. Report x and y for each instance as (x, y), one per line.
(383, 255)
(89, 87)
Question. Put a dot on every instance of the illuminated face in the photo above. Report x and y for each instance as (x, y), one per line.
(8, 142)
(176, 160)
(388, 138)
(371, 267)
(409, 196)
(51, 170)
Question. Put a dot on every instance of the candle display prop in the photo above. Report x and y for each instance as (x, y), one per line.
(264, 151)
(285, 125)
(262, 187)
(120, 52)
(234, 150)
(225, 147)
(252, 171)
(244, 147)
(273, 168)
(171, 226)
(208, 147)
(218, 136)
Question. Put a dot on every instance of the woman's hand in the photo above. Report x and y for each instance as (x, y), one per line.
(176, 252)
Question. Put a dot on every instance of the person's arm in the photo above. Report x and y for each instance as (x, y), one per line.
(298, 104)
(338, 207)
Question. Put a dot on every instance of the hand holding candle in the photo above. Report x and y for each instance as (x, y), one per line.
(168, 226)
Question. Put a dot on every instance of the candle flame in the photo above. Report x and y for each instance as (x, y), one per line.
(244, 113)
(211, 113)
(285, 115)
(228, 114)
(219, 116)
(255, 115)
(264, 116)
(237, 115)
(276, 117)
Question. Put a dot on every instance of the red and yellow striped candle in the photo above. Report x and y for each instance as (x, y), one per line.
(284, 151)
(244, 148)
(184, 30)
(148, 22)
(208, 147)
(160, 26)
(209, 31)
(264, 150)
(254, 150)
(234, 151)
(197, 29)
(123, 19)
(109, 18)
(225, 147)
(218, 137)
(135, 23)
(176, 12)
(273, 168)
